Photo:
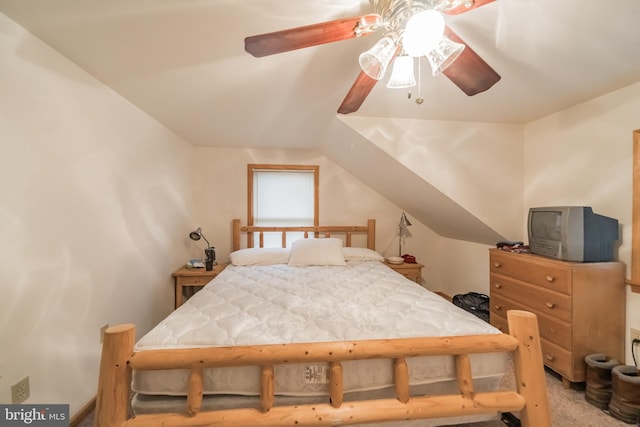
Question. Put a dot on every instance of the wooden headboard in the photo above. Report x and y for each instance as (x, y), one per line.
(343, 231)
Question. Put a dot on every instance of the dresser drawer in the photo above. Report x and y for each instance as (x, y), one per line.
(542, 300)
(413, 275)
(550, 328)
(554, 356)
(558, 359)
(534, 271)
(499, 322)
(194, 280)
(412, 271)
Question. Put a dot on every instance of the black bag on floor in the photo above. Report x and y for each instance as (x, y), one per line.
(474, 303)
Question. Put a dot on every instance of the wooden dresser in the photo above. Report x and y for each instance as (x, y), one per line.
(580, 306)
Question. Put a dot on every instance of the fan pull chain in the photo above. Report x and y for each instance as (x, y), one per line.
(419, 99)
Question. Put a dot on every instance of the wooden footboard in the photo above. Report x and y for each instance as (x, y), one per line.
(118, 360)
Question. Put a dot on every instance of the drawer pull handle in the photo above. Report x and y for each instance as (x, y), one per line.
(498, 285)
(496, 264)
(550, 358)
(550, 279)
(552, 330)
(498, 307)
(550, 305)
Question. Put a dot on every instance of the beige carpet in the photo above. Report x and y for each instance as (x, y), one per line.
(568, 407)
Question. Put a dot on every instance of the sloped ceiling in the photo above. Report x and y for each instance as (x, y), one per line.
(183, 62)
(398, 183)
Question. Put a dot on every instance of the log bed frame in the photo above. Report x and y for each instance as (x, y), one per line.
(119, 359)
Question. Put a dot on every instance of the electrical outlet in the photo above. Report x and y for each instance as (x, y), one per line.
(20, 391)
(635, 334)
(102, 330)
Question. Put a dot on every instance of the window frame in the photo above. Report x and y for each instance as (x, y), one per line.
(252, 167)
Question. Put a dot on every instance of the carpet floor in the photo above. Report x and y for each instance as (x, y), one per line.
(568, 407)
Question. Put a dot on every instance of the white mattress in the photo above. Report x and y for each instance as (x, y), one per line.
(280, 304)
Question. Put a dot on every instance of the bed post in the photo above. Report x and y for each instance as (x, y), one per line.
(236, 234)
(371, 234)
(114, 381)
(529, 369)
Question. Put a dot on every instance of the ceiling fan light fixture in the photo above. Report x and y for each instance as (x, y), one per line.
(406, 27)
(402, 74)
(374, 62)
(423, 32)
(447, 5)
(443, 55)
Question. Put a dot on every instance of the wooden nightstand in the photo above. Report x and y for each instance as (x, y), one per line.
(410, 271)
(193, 279)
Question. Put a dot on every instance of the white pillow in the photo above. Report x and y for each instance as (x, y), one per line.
(316, 252)
(361, 254)
(260, 256)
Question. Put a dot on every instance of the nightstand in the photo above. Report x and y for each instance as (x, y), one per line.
(193, 279)
(410, 271)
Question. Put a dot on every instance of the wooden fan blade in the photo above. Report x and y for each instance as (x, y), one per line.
(469, 72)
(311, 35)
(462, 9)
(357, 94)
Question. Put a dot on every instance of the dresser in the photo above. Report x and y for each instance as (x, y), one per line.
(580, 306)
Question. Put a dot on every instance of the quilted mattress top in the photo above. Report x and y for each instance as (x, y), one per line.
(280, 304)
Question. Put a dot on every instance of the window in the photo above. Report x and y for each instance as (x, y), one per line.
(282, 195)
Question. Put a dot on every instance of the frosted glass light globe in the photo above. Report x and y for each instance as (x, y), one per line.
(422, 32)
(402, 75)
(374, 62)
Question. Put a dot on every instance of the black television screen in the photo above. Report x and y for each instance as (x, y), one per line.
(546, 224)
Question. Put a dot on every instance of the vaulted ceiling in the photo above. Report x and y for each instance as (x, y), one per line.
(183, 62)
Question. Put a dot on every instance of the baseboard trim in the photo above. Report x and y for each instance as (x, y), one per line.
(83, 413)
(443, 295)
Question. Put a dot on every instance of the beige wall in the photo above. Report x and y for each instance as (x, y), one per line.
(95, 209)
(221, 194)
(583, 156)
(98, 198)
(451, 265)
(478, 165)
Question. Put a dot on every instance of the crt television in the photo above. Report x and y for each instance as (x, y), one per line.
(572, 233)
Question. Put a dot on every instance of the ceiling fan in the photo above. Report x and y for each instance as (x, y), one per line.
(411, 28)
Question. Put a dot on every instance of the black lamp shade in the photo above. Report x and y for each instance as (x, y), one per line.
(196, 235)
